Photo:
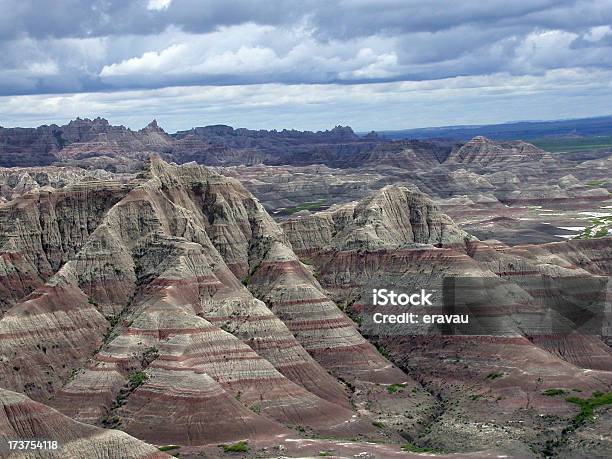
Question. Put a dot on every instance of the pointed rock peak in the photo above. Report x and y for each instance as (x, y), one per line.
(399, 190)
(153, 127)
(394, 195)
(155, 161)
(172, 173)
(155, 166)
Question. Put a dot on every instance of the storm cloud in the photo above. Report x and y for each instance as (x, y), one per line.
(100, 47)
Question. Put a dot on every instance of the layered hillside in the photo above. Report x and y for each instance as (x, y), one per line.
(485, 152)
(125, 306)
(392, 218)
(170, 305)
(80, 138)
(23, 418)
(102, 139)
(529, 302)
(16, 181)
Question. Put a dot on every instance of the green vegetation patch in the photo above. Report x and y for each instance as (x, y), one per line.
(569, 144)
(150, 354)
(382, 351)
(110, 421)
(412, 448)
(494, 375)
(325, 453)
(348, 384)
(599, 227)
(595, 183)
(240, 447)
(137, 379)
(394, 388)
(110, 332)
(587, 405)
(74, 372)
(310, 205)
(378, 424)
(553, 392)
(168, 447)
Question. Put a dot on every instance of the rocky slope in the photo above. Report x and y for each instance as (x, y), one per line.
(16, 181)
(127, 309)
(484, 152)
(154, 303)
(392, 218)
(23, 418)
(489, 390)
(78, 139)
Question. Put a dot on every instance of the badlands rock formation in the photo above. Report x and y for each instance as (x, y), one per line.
(488, 389)
(126, 306)
(23, 418)
(484, 152)
(168, 304)
(290, 170)
(96, 143)
(16, 181)
(392, 218)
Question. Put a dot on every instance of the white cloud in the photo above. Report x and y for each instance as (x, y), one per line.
(158, 5)
(267, 50)
(184, 60)
(150, 62)
(375, 66)
(562, 93)
(258, 52)
(597, 33)
(47, 67)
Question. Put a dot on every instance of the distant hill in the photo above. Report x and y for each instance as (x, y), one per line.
(585, 127)
(97, 144)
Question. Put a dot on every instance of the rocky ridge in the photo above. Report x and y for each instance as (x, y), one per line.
(138, 316)
(157, 302)
(485, 152)
(482, 384)
(392, 218)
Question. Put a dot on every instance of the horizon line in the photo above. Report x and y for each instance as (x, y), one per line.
(359, 132)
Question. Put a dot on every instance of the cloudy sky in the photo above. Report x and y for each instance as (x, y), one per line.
(307, 64)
